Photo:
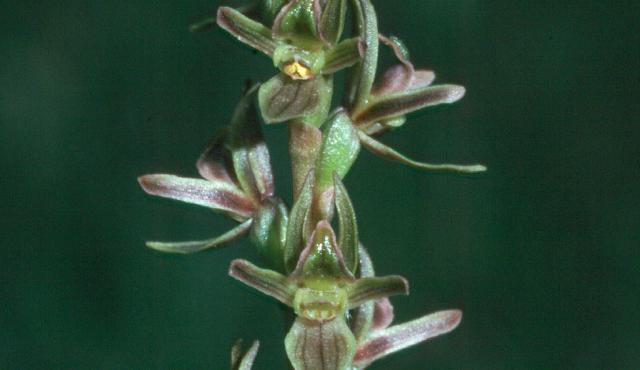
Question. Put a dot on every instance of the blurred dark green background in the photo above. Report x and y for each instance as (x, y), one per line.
(541, 252)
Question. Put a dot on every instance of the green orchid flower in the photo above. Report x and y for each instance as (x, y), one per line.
(303, 42)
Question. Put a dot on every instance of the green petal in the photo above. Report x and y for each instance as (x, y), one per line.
(322, 258)
(246, 30)
(328, 345)
(397, 104)
(332, 20)
(399, 337)
(266, 281)
(386, 152)
(219, 196)
(348, 226)
(282, 98)
(343, 55)
(298, 20)
(374, 288)
(200, 245)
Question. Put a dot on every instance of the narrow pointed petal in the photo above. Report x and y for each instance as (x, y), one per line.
(399, 337)
(364, 74)
(298, 19)
(282, 98)
(219, 196)
(249, 152)
(266, 281)
(200, 245)
(245, 362)
(343, 55)
(386, 152)
(325, 345)
(322, 257)
(348, 226)
(340, 148)
(298, 218)
(332, 20)
(246, 30)
(373, 288)
(398, 104)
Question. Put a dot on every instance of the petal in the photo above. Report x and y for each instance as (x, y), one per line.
(251, 160)
(298, 20)
(373, 288)
(325, 345)
(332, 20)
(266, 281)
(200, 245)
(282, 98)
(322, 257)
(246, 30)
(399, 337)
(397, 104)
(343, 55)
(219, 196)
(348, 226)
(296, 237)
(363, 76)
(246, 362)
(386, 152)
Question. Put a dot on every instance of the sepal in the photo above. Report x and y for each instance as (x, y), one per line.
(200, 245)
(386, 152)
(246, 30)
(266, 281)
(344, 55)
(399, 337)
(219, 195)
(374, 288)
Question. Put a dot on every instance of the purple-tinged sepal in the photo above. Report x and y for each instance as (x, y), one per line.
(246, 30)
(398, 337)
